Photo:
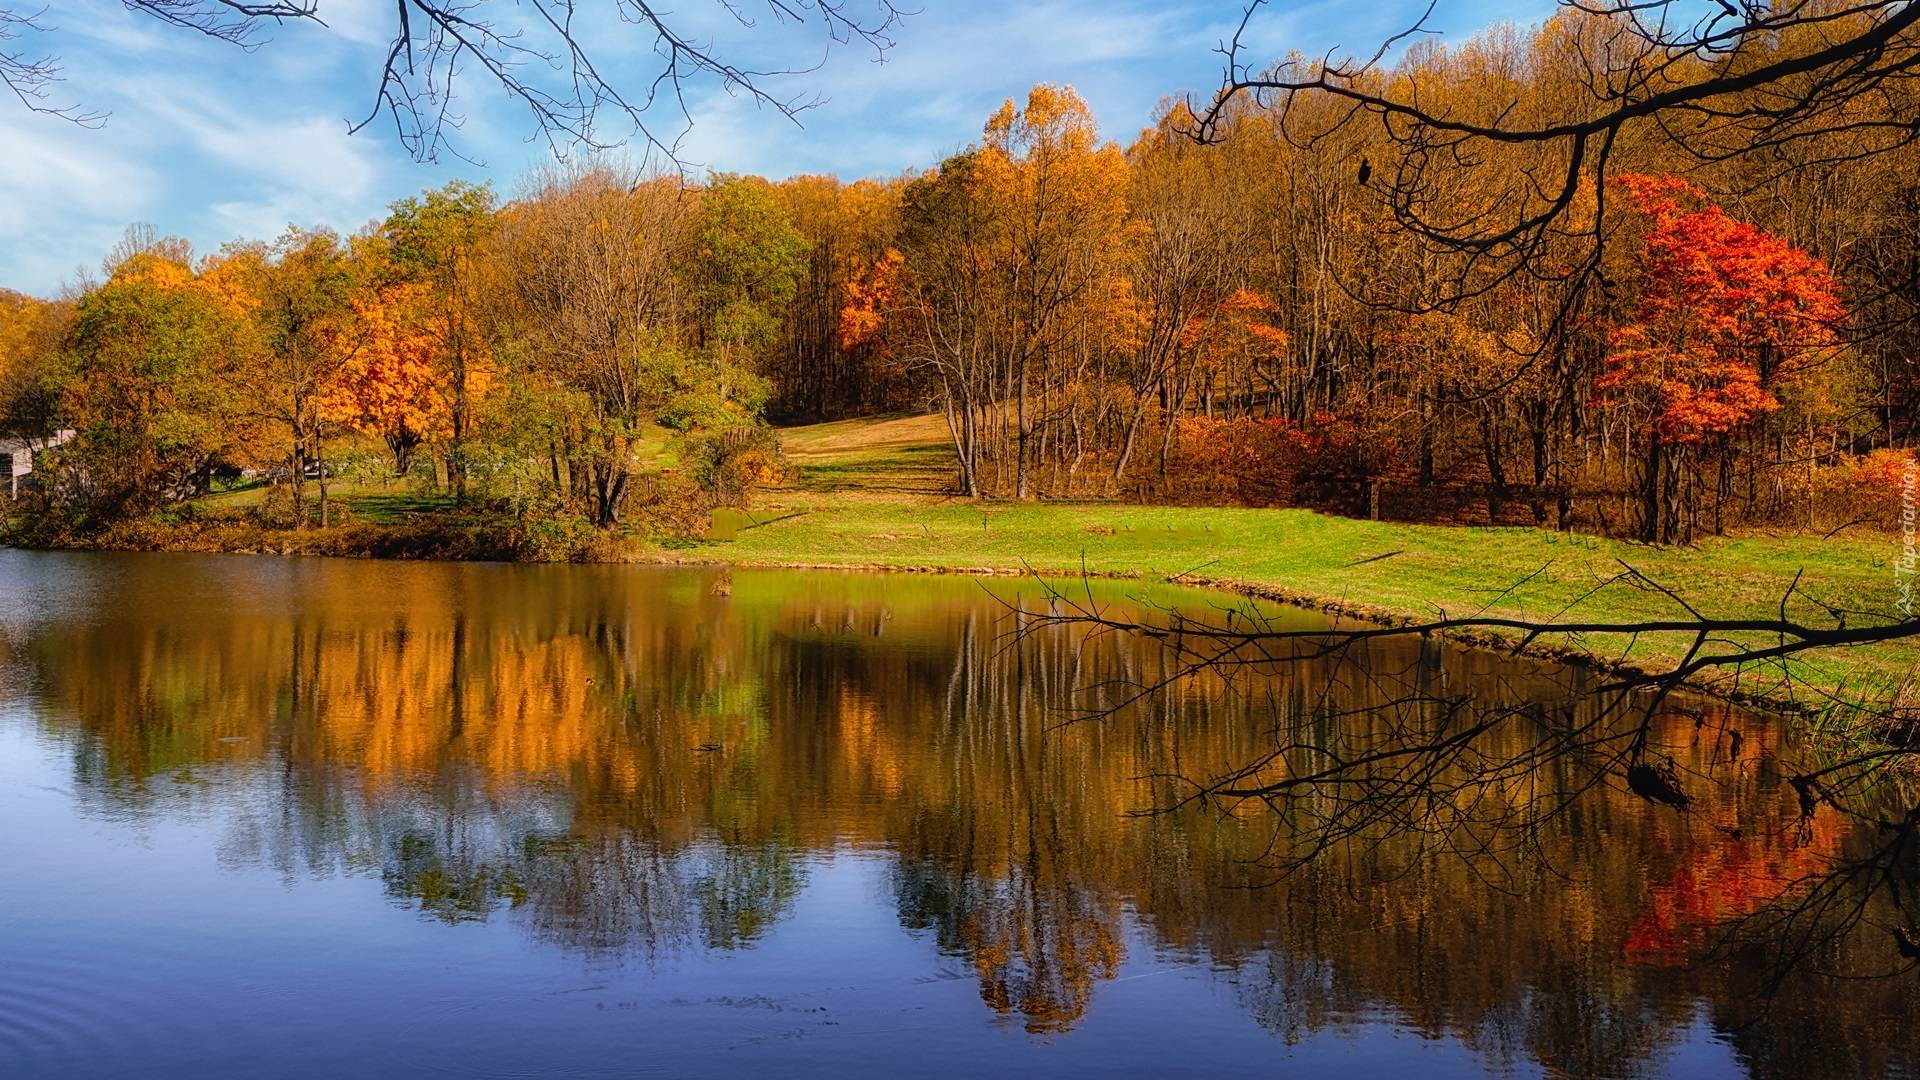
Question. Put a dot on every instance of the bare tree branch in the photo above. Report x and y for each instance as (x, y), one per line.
(539, 52)
(1717, 81)
(30, 77)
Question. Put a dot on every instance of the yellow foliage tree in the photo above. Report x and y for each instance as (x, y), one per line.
(390, 386)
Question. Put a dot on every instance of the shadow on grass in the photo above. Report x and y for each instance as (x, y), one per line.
(916, 469)
(395, 509)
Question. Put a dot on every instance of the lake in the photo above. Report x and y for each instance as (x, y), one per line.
(307, 817)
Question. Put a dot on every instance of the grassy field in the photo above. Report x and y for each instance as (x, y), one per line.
(878, 493)
(386, 501)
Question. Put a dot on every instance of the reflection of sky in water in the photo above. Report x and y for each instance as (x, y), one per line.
(659, 830)
(128, 948)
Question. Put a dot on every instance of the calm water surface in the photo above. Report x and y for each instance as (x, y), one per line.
(306, 817)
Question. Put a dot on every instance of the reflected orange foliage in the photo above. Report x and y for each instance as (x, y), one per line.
(1725, 876)
(648, 721)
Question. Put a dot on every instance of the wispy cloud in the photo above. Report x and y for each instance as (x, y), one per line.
(211, 142)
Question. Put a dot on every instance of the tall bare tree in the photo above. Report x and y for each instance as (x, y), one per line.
(590, 255)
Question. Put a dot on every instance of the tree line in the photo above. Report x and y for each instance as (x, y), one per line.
(1234, 307)
(512, 353)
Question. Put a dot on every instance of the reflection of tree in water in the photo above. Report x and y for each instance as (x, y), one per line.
(628, 764)
(462, 890)
(746, 888)
(466, 853)
(1509, 974)
(1036, 950)
(989, 856)
(613, 893)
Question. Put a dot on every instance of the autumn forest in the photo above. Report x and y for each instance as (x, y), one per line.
(1235, 312)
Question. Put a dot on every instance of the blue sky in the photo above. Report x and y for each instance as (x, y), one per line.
(209, 142)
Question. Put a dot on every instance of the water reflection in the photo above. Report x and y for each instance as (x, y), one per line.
(627, 765)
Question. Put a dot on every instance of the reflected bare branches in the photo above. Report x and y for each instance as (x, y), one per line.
(1787, 860)
(625, 765)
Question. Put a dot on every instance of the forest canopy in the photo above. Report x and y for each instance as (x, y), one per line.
(1699, 342)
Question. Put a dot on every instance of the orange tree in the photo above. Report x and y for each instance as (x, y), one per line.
(1725, 313)
(436, 240)
(388, 385)
(1011, 253)
(32, 333)
(297, 293)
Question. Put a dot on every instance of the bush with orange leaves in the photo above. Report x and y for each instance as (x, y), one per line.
(1270, 461)
(730, 465)
(1868, 489)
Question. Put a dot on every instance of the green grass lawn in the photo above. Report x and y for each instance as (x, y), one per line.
(387, 507)
(874, 494)
(391, 503)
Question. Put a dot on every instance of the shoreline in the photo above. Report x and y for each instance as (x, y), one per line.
(438, 544)
(1487, 641)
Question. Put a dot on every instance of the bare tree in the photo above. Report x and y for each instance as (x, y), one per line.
(1412, 753)
(540, 52)
(1716, 81)
(588, 254)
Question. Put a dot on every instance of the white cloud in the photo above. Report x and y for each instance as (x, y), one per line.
(63, 199)
(211, 142)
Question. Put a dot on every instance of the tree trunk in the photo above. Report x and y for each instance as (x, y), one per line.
(320, 454)
(609, 487)
(297, 478)
(1024, 430)
(1650, 495)
(1496, 468)
(1426, 441)
(1126, 446)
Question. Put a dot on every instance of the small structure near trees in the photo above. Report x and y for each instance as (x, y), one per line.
(16, 457)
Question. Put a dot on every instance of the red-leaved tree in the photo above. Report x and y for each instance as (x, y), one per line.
(1726, 312)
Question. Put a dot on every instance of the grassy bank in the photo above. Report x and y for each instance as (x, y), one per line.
(877, 494)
